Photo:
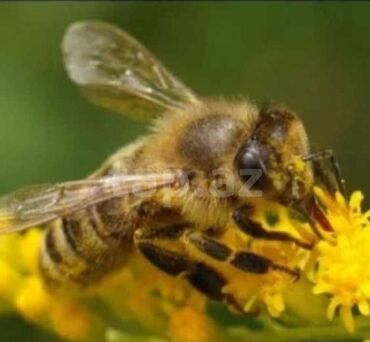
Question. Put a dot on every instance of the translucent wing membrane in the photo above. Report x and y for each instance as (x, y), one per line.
(117, 72)
(39, 204)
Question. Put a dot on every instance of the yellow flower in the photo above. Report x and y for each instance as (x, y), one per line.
(29, 246)
(71, 321)
(10, 281)
(251, 290)
(343, 262)
(337, 268)
(190, 325)
(32, 301)
(22, 288)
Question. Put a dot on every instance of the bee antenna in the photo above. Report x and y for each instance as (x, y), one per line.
(317, 157)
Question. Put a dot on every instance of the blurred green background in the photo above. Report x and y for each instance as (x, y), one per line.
(314, 57)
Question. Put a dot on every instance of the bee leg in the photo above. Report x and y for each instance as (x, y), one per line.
(211, 283)
(178, 264)
(155, 245)
(244, 261)
(256, 230)
(168, 261)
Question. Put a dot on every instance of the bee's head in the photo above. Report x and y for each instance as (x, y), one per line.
(275, 151)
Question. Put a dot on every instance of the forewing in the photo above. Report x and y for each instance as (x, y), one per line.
(35, 205)
(115, 71)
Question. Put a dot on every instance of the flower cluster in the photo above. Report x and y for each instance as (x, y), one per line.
(21, 289)
(343, 258)
(140, 302)
(139, 296)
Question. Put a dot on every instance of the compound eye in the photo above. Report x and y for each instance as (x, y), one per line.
(250, 163)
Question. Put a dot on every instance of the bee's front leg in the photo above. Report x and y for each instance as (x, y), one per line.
(330, 176)
(256, 230)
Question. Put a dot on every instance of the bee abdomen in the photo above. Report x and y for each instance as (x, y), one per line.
(82, 248)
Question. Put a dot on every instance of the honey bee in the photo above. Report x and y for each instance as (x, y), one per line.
(154, 195)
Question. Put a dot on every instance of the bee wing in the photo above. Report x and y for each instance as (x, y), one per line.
(116, 72)
(35, 205)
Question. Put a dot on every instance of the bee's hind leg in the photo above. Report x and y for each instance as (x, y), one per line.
(156, 248)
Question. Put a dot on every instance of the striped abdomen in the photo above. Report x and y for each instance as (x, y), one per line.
(82, 248)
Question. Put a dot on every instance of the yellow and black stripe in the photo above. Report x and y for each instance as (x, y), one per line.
(82, 248)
